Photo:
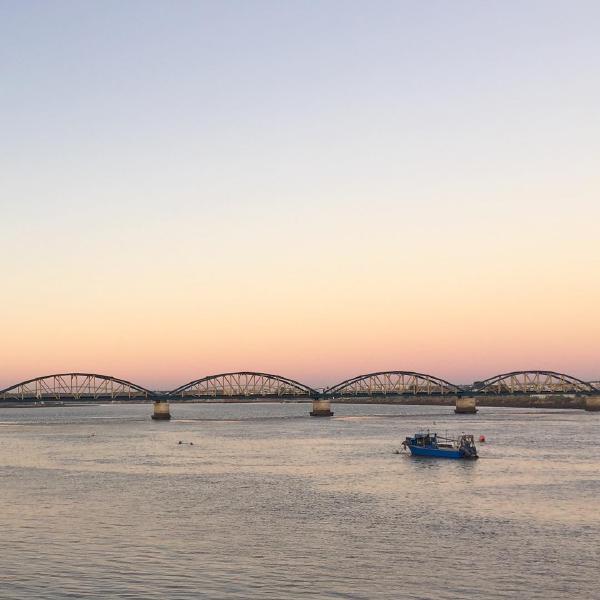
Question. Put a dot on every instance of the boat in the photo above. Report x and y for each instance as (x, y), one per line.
(432, 444)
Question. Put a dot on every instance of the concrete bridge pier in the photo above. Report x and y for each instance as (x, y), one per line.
(161, 411)
(465, 406)
(321, 408)
(592, 403)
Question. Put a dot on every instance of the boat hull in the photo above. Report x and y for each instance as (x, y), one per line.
(436, 452)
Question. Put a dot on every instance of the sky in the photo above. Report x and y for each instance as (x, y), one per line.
(313, 189)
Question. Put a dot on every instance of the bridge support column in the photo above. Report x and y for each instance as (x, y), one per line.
(592, 403)
(161, 411)
(465, 406)
(321, 408)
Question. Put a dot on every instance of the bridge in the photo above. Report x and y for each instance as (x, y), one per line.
(75, 386)
(244, 385)
(393, 383)
(533, 382)
(251, 385)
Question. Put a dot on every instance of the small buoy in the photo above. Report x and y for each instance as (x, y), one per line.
(482, 438)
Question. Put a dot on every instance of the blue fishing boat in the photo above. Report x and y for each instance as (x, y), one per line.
(432, 444)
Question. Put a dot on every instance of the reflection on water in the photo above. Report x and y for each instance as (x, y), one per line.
(102, 502)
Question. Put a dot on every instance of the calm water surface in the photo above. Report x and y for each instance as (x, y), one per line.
(102, 502)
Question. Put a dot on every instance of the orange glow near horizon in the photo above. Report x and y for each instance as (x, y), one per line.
(462, 333)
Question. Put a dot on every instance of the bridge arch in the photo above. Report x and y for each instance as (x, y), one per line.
(74, 386)
(244, 384)
(533, 382)
(394, 383)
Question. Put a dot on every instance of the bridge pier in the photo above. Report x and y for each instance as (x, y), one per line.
(592, 403)
(161, 411)
(465, 406)
(321, 408)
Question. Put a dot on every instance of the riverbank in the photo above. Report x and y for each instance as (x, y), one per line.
(561, 402)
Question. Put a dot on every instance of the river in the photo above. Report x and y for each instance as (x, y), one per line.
(261, 501)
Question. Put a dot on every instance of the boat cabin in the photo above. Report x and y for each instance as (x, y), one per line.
(425, 439)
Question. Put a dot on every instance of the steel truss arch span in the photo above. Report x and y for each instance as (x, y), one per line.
(74, 386)
(533, 382)
(394, 383)
(244, 384)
